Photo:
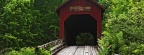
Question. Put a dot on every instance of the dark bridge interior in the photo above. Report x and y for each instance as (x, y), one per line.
(76, 24)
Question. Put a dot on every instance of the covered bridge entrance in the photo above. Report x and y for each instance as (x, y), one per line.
(79, 16)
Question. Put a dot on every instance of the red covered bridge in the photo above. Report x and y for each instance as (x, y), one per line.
(77, 16)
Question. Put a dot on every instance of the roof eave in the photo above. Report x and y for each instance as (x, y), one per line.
(57, 9)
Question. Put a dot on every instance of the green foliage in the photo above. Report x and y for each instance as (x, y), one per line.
(85, 39)
(48, 18)
(132, 49)
(43, 52)
(18, 20)
(28, 22)
(28, 51)
(23, 51)
(8, 40)
(125, 17)
(110, 43)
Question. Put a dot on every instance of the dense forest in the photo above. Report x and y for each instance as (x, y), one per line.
(25, 24)
(28, 23)
(123, 27)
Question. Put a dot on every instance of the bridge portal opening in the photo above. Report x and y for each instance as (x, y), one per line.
(76, 24)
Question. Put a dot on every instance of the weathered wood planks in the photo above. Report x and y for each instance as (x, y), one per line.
(70, 50)
(78, 50)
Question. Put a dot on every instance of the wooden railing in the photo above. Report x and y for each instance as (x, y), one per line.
(54, 46)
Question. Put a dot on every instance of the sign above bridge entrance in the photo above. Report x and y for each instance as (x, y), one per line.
(80, 8)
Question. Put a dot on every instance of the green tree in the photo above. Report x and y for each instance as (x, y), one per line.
(126, 17)
(28, 22)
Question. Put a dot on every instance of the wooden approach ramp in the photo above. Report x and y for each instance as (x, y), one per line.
(78, 50)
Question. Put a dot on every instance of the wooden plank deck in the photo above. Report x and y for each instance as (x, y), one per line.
(78, 50)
